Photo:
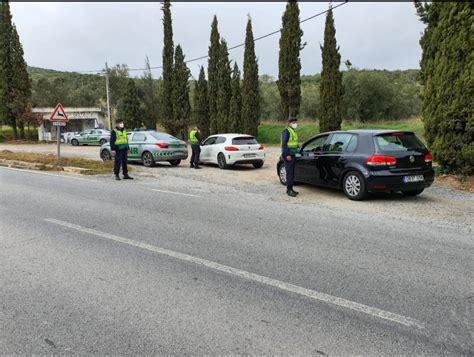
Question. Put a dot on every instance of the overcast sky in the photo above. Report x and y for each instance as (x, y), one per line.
(82, 36)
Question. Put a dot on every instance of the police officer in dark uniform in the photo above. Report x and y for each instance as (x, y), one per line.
(195, 140)
(289, 147)
(119, 144)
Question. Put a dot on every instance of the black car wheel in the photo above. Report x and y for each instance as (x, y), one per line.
(74, 142)
(102, 141)
(282, 174)
(175, 162)
(354, 186)
(148, 159)
(258, 165)
(413, 192)
(105, 155)
(221, 161)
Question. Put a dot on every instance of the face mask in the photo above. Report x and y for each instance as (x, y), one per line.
(294, 125)
(120, 125)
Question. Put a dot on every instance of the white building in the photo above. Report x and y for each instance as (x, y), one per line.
(80, 119)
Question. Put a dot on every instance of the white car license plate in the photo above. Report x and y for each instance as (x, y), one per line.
(249, 155)
(413, 178)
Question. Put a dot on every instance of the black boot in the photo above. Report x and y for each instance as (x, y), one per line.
(126, 177)
(291, 193)
(117, 177)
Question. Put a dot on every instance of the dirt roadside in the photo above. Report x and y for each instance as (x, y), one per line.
(441, 204)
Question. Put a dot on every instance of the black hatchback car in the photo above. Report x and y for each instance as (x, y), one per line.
(364, 161)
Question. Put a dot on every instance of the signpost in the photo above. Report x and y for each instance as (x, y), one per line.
(59, 118)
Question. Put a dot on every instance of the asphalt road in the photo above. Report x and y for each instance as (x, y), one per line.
(185, 266)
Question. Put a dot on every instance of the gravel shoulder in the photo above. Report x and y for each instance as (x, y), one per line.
(440, 205)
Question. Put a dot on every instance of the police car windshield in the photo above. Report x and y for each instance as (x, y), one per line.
(163, 136)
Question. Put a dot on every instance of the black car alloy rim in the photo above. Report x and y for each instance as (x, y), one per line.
(352, 185)
(283, 173)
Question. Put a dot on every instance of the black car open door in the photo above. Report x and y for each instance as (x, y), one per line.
(307, 162)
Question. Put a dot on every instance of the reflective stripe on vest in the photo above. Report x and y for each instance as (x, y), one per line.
(121, 140)
(192, 137)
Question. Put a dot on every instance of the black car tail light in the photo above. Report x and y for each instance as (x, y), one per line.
(381, 160)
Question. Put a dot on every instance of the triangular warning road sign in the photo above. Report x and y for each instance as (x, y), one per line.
(59, 114)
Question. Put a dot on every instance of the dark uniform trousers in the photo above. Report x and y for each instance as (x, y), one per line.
(121, 160)
(290, 172)
(196, 149)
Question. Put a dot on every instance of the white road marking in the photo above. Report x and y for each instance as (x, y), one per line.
(334, 300)
(48, 174)
(175, 193)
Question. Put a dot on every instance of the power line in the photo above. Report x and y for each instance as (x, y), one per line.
(233, 47)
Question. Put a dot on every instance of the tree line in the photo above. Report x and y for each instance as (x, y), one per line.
(227, 99)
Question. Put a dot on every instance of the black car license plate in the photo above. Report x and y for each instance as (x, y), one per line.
(413, 178)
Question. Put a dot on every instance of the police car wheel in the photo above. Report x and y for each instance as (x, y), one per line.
(282, 174)
(175, 162)
(221, 161)
(102, 141)
(74, 142)
(147, 159)
(105, 155)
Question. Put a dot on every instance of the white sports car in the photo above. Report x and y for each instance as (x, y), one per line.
(232, 149)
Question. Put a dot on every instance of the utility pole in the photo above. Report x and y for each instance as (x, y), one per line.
(108, 96)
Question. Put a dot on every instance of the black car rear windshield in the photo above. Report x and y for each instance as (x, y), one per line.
(244, 140)
(398, 142)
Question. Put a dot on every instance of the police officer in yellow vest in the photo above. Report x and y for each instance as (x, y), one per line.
(195, 140)
(119, 144)
(289, 147)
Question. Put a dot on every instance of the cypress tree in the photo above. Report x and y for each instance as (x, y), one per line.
(224, 91)
(3, 64)
(21, 83)
(446, 70)
(7, 66)
(235, 107)
(331, 90)
(212, 70)
(201, 104)
(181, 104)
(289, 65)
(168, 53)
(129, 109)
(250, 86)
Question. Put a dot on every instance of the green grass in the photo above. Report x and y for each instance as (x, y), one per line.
(269, 133)
(49, 162)
(6, 134)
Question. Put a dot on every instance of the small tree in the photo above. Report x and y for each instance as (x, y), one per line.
(331, 90)
(235, 111)
(30, 120)
(180, 95)
(129, 109)
(150, 98)
(201, 104)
